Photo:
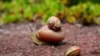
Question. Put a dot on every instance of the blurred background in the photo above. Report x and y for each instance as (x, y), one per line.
(86, 12)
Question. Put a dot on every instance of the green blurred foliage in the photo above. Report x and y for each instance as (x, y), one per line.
(28, 8)
(85, 11)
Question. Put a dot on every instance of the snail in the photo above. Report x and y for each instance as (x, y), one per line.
(73, 51)
(54, 23)
(51, 32)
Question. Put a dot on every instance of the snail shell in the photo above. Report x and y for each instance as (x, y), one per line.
(73, 51)
(54, 23)
(47, 35)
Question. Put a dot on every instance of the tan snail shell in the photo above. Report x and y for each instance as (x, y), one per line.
(73, 51)
(54, 23)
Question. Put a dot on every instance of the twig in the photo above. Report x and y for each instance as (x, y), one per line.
(31, 29)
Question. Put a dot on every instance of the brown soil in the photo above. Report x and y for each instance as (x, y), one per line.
(15, 40)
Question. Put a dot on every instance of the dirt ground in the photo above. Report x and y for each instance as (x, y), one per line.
(15, 40)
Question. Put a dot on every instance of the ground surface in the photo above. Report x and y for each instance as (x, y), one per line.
(15, 40)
